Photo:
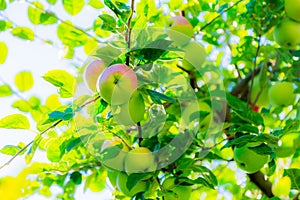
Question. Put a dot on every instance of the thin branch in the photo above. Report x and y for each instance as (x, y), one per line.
(42, 133)
(128, 32)
(140, 136)
(297, 196)
(224, 11)
(254, 67)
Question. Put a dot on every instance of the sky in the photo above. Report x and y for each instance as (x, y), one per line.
(38, 58)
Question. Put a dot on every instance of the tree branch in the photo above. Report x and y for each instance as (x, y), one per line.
(128, 32)
(258, 178)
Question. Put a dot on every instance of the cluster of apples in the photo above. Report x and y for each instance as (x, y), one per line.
(279, 93)
(287, 31)
(138, 160)
(117, 85)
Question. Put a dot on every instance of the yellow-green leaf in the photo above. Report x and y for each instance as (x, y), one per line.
(96, 4)
(63, 80)
(69, 35)
(5, 91)
(3, 52)
(34, 12)
(73, 7)
(12, 149)
(2, 4)
(4, 25)
(15, 121)
(24, 33)
(24, 81)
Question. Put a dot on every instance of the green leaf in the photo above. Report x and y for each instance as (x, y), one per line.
(5, 91)
(262, 149)
(96, 4)
(3, 4)
(69, 35)
(63, 80)
(34, 12)
(157, 97)
(48, 18)
(66, 115)
(12, 149)
(33, 149)
(134, 178)
(21, 105)
(15, 121)
(76, 177)
(3, 52)
(24, 33)
(294, 175)
(109, 23)
(250, 116)
(52, 1)
(24, 81)
(4, 25)
(73, 7)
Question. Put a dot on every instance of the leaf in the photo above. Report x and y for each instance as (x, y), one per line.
(48, 18)
(294, 175)
(4, 25)
(12, 150)
(69, 35)
(21, 105)
(24, 33)
(33, 149)
(24, 81)
(207, 173)
(134, 178)
(63, 80)
(52, 2)
(3, 4)
(5, 91)
(76, 177)
(156, 97)
(96, 4)
(250, 116)
(262, 149)
(15, 121)
(73, 7)
(34, 12)
(3, 52)
(109, 23)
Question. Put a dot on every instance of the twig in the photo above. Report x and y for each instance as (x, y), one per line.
(224, 11)
(258, 178)
(140, 136)
(297, 196)
(128, 32)
(254, 67)
(42, 133)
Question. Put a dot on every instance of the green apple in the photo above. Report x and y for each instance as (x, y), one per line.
(287, 145)
(140, 160)
(190, 117)
(132, 112)
(292, 9)
(117, 83)
(113, 156)
(282, 187)
(282, 94)
(286, 34)
(248, 160)
(194, 56)
(180, 31)
(175, 191)
(92, 73)
(263, 99)
(122, 179)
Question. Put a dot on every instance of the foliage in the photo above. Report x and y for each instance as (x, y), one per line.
(237, 37)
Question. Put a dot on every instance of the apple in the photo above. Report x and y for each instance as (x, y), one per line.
(122, 179)
(282, 94)
(115, 155)
(287, 145)
(248, 160)
(194, 56)
(282, 187)
(117, 83)
(132, 112)
(263, 99)
(174, 191)
(140, 160)
(292, 9)
(180, 31)
(92, 73)
(286, 34)
(189, 115)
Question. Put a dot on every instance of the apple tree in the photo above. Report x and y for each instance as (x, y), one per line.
(175, 100)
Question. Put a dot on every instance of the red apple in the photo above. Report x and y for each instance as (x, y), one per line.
(92, 73)
(117, 83)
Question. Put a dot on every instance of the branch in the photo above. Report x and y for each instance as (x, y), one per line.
(258, 178)
(128, 32)
(297, 196)
(224, 11)
(43, 132)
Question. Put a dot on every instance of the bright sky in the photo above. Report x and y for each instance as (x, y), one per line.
(38, 58)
